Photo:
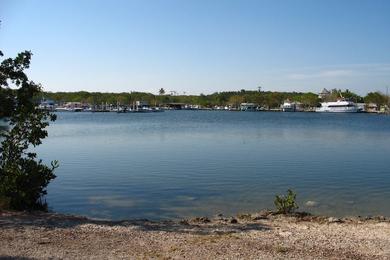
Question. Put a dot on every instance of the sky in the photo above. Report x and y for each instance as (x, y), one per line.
(201, 46)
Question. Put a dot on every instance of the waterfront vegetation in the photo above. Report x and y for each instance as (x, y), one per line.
(23, 177)
(286, 204)
(266, 99)
(234, 98)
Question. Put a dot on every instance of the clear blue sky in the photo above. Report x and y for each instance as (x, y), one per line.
(201, 46)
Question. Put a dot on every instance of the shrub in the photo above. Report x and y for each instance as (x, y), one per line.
(286, 204)
(23, 177)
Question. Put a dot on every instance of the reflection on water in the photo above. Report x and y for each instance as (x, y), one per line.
(3, 127)
(185, 163)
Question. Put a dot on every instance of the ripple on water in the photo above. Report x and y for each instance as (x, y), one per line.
(182, 163)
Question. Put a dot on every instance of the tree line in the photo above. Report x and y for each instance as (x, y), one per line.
(268, 99)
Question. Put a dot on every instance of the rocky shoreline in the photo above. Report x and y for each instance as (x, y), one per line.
(263, 235)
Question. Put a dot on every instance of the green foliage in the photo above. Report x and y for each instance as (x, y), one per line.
(23, 177)
(376, 98)
(236, 100)
(309, 99)
(266, 99)
(336, 94)
(6, 102)
(352, 96)
(286, 204)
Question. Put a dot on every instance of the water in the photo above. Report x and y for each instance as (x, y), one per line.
(194, 163)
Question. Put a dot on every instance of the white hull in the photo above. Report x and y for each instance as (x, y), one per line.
(348, 110)
(289, 109)
(338, 107)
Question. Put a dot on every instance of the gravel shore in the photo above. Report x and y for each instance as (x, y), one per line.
(249, 236)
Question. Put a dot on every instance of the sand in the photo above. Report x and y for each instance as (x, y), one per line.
(253, 236)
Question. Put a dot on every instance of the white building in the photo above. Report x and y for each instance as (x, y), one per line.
(248, 107)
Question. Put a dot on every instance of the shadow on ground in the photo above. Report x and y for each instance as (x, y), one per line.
(20, 220)
(3, 257)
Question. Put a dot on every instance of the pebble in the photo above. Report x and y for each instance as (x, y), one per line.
(367, 241)
(334, 220)
(285, 233)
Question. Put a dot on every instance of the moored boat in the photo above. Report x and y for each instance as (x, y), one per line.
(340, 106)
(289, 106)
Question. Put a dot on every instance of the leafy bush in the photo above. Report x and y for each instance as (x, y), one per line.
(286, 204)
(23, 178)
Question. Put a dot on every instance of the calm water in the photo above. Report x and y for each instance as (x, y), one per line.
(191, 163)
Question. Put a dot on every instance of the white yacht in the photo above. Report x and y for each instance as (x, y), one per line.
(340, 106)
(288, 107)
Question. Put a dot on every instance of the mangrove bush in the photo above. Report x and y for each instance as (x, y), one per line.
(23, 177)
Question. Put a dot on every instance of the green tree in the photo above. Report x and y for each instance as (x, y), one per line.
(351, 96)
(6, 101)
(376, 98)
(236, 100)
(23, 177)
(309, 99)
(161, 91)
(274, 99)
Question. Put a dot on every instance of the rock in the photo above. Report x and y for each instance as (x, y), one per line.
(233, 221)
(259, 217)
(264, 213)
(184, 222)
(201, 220)
(334, 220)
(219, 216)
(244, 216)
(303, 215)
(311, 203)
(353, 219)
(380, 218)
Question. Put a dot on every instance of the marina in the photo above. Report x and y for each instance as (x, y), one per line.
(195, 129)
(339, 106)
(329, 101)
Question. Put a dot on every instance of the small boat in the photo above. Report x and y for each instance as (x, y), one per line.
(157, 109)
(289, 106)
(62, 109)
(249, 107)
(77, 109)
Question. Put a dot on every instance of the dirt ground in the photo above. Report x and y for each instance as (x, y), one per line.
(253, 236)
